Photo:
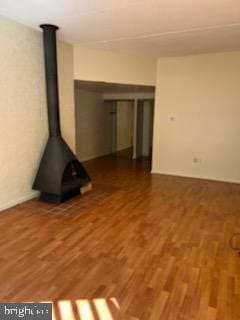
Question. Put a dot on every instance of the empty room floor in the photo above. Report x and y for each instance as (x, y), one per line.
(138, 246)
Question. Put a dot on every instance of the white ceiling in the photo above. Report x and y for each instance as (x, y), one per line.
(148, 27)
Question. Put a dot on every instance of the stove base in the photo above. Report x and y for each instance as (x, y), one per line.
(54, 198)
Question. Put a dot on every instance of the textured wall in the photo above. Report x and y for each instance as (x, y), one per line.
(66, 93)
(99, 65)
(197, 112)
(23, 121)
(93, 125)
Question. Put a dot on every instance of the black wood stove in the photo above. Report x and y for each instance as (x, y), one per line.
(60, 175)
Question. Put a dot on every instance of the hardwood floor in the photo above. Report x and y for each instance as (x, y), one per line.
(136, 247)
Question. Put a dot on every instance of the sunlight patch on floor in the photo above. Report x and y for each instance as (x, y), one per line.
(86, 309)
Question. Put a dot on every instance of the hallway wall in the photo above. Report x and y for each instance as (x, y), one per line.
(125, 114)
(93, 125)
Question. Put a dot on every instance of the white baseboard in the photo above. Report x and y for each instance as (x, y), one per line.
(194, 177)
(14, 202)
(93, 157)
(83, 159)
(88, 158)
(121, 149)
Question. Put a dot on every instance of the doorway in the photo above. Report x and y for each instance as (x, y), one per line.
(132, 128)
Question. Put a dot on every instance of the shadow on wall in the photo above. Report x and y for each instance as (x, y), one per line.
(85, 309)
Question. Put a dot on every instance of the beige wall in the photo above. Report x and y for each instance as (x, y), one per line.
(93, 125)
(98, 65)
(197, 112)
(23, 120)
(125, 112)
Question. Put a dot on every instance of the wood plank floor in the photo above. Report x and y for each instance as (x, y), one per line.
(140, 246)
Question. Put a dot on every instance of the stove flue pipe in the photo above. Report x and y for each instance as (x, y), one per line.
(51, 75)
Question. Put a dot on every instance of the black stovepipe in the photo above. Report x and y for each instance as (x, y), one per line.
(50, 55)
